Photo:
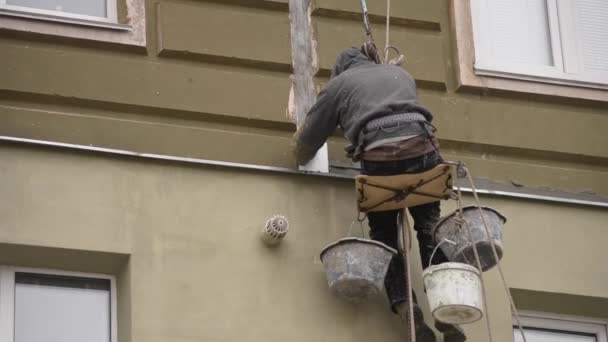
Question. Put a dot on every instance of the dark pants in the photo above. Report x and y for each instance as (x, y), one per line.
(384, 228)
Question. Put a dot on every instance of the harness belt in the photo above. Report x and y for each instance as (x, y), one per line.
(393, 119)
(387, 128)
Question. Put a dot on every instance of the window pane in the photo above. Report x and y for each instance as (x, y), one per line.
(66, 309)
(519, 32)
(538, 335)
(592, 24)
(95, 8)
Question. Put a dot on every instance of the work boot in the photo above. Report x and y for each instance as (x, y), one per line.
(423, 332)
(451, 332)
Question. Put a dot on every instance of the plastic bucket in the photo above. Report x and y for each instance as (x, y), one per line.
(452, 229)
(454, 292)
(355, 268)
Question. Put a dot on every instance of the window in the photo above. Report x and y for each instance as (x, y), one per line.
(545, 40)
(92, 20)
(93, 10)
(43, 305)
(540, 327)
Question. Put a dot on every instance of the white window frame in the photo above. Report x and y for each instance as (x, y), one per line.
(565, 51)
(565, 323)
(7, 298)
(111, 21)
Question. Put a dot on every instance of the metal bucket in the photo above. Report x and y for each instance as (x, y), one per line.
(454, 292)
(462, 251)
(355, 268)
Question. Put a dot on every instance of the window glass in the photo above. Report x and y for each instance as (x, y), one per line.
(541, 335)
(60, 308)
(520, 31)
(96, 8)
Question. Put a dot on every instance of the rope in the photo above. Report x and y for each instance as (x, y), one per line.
(352, 224)
(502, 276)
(371, 51)
(403, 222)
(477, 260)
(388, 30)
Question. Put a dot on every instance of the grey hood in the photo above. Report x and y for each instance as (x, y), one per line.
(349, 58)
(359, 91)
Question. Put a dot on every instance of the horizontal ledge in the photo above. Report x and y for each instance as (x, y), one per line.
(596, 99)
(80, 104)
(325, 73)
(378, 19)
(285, 67)
(492, 188)
(276, 5)
(491, 72)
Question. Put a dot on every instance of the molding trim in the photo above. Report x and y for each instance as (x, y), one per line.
(484, 186)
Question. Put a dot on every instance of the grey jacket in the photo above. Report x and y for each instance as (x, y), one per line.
(358, 91)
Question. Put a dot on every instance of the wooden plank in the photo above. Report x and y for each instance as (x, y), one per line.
(136, 80)
(423, 50)
(212, 29)
(304, 67)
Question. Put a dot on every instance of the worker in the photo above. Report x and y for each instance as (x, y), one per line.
(390, 134)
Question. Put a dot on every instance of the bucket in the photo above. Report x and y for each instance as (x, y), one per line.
(355, 268)
(462, 251)
(454, 292)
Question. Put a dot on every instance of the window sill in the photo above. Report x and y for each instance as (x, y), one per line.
(488, 72)
(65, 20)
(131, 33)
(460, 15)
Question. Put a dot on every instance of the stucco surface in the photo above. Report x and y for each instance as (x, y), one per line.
(198, 270)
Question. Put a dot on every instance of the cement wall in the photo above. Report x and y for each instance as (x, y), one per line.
(183, 241)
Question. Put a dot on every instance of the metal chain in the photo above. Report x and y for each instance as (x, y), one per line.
(366, 23)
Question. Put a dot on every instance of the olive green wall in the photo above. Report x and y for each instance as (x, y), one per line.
(214, 78)
(183, 241)
(213, 83)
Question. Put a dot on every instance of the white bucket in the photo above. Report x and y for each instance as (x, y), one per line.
(454, 292)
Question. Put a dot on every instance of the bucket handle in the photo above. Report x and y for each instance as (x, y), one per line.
(350, 229)
(437, 247)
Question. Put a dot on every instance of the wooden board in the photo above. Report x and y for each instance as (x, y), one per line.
(381, 193)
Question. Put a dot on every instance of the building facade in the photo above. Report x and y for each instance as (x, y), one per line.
(144, 144)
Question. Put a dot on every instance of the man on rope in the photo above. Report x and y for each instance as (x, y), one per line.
(390, 134)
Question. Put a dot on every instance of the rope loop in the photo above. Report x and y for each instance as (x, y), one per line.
(352, 224)
(395, 61)
(370, 50)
